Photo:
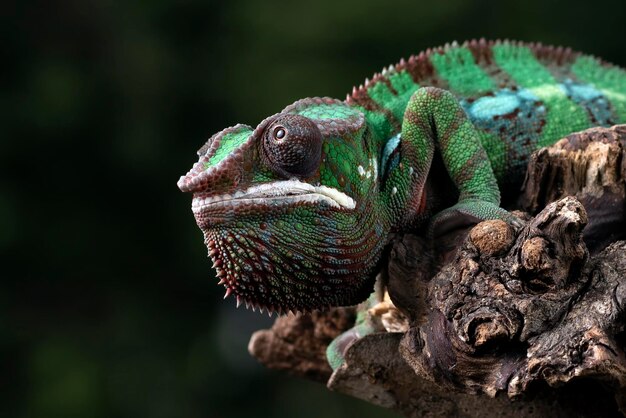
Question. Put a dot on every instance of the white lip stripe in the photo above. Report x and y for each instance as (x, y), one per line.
(288, 190)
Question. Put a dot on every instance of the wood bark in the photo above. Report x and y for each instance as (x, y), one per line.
(516, 322)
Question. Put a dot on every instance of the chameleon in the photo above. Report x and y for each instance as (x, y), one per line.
(297, 212)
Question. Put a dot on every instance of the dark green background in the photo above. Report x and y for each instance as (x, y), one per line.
(109, 305)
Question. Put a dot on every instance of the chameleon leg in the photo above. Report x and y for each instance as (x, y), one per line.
(364, 325)
(436, 113)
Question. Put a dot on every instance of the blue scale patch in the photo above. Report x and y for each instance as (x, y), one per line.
(508, 113)
(517, 116)
(592, 100)
(388, 151)
(488, 107)
(390, 157)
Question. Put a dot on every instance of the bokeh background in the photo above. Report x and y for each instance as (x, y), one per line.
(108, 304)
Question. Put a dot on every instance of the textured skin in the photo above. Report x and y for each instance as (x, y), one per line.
(304, 227)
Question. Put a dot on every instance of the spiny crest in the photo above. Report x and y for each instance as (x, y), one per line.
(228, 283)
(422, 71)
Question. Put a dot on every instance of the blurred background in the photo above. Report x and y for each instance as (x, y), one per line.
(109, 307)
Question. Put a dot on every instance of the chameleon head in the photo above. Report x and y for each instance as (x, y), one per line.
(289, 209)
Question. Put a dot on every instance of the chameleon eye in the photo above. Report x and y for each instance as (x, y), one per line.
(292, 146)
(279, 132)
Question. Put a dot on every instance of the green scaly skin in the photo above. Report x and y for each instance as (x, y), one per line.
(297, 211)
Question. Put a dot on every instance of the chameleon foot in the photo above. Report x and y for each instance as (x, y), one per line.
(466, 213)
(337, 348)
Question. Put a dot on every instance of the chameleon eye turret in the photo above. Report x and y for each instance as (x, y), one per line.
(292, 146)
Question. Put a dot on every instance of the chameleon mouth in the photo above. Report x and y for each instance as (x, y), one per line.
(276, 193)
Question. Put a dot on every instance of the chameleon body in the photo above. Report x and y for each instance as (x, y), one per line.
(297, 211)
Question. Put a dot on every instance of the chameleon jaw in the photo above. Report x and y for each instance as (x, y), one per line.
(273, 194)
(262, 262)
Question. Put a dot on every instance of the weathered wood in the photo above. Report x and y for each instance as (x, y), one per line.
(297, 342)
(591, 166)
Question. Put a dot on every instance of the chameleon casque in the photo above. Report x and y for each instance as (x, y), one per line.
(297, 211)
